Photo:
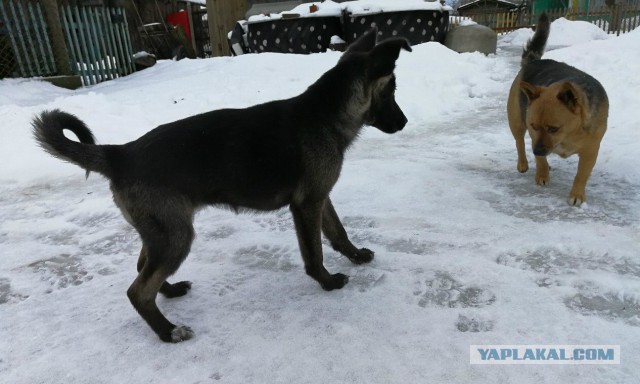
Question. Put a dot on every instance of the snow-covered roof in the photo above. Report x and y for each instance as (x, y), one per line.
(479, 2)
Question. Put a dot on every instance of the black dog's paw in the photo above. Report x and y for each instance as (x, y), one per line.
(363, 255)
(336, 281)
(175, 290)
(181, 333)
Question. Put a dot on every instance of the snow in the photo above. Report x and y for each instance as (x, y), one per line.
(565, 32)
(467, 22)
(468, 251)
(376, 6)
(329, 8)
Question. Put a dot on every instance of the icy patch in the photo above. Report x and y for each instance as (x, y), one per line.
(591, 299)
(444, 291)
(269, 257)
(608, 305)
(553, 261)
(365, 279)
(61, 237)
(121, 242)
(6, 294)
(61, 271)
(359, 222)
(416, 247)
(473, 324)
(280, 221)
(220, 233)
(222, 289)
(609, 199)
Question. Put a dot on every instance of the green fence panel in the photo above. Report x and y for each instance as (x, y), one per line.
(101, 46)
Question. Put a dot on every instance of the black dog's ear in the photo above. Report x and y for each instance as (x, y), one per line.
(365, 43)
(385, 54)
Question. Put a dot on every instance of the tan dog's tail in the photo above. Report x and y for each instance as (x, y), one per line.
(535, 46)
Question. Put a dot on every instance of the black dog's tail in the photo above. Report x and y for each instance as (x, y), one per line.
(535, 46)
(47, 129)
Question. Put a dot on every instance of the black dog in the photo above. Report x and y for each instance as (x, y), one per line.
(285, 152)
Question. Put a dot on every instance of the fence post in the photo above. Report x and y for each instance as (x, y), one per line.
(616, 19)
(221, 17)
(58, 45)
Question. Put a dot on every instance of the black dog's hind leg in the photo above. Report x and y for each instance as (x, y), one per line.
(167, 238)
(307, 218)
(168, 290)
(335, 232)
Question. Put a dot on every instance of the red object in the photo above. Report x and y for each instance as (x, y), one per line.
(180, 18)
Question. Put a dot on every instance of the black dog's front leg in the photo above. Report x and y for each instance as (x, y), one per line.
(335, 232)
(307, 218)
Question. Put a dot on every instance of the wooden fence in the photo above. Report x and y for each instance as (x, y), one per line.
(97, 40)
(615, 20)
(25, 49)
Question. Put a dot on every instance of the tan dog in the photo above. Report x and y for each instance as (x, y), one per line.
(564, 109)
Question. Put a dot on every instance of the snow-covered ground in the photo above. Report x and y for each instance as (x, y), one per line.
(468, 251)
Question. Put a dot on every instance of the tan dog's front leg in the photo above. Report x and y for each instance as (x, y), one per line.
(518, 131)
(523, 163)
(542, 170)
(585, 165)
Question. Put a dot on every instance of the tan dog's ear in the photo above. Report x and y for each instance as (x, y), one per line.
(569, 95)
(532, 91)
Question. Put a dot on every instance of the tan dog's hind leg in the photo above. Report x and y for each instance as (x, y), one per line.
(542, 170)
(585, 165)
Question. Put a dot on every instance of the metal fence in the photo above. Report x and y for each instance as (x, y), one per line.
(97, 41)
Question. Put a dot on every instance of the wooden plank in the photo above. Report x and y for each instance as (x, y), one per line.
(30, 52)
(222, 16)
(111, 41)
(67, 32)
(72, 31)
(84, 53)
(12, 38)
(92, 57)
(100, 65)
(42, 57)
(128, 49)
(119, 52)
(18, 17)
(98, 20)
(47, 43)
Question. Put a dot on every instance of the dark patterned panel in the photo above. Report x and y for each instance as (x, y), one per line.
(417, 26)
(313, 34)
(300, 35)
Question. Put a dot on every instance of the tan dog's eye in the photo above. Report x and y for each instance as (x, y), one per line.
(552, 129)
(535, 128)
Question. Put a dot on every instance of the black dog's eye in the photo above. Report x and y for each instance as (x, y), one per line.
(552, 129)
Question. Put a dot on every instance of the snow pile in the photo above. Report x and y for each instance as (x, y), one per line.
(563, 33)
